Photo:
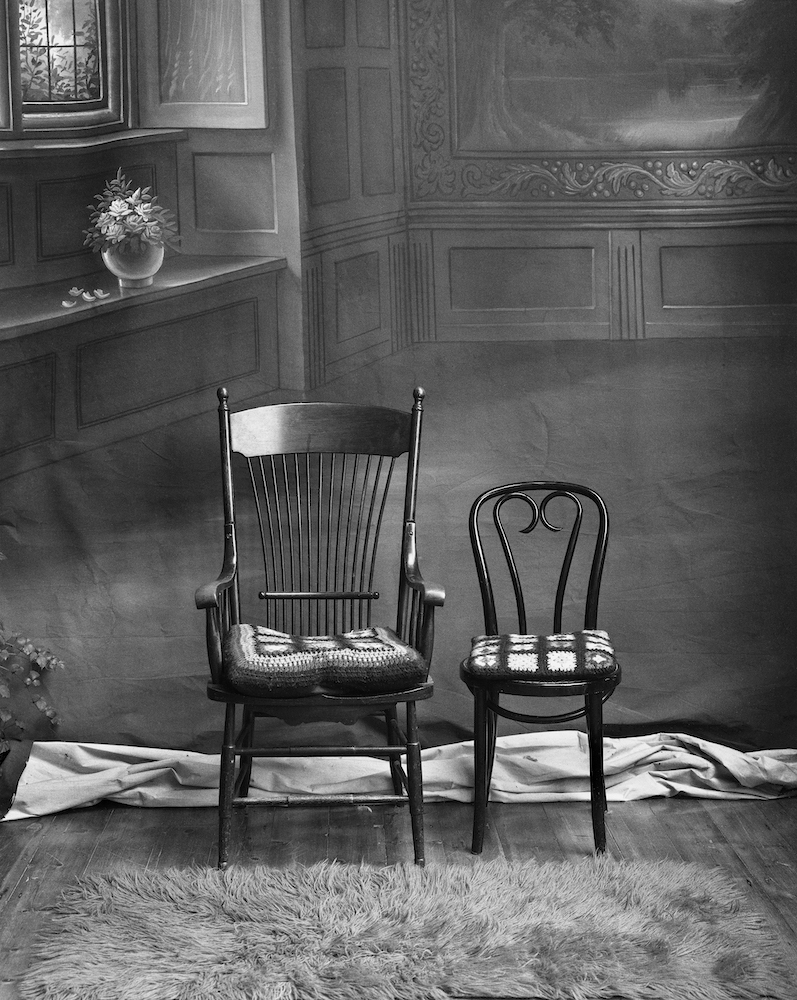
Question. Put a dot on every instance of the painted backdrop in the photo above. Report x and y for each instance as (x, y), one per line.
(625, 74)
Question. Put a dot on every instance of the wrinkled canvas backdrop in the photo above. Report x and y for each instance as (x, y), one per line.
(692, 443)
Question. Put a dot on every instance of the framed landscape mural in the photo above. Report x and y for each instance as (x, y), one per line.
(625, 74)
(638, 99)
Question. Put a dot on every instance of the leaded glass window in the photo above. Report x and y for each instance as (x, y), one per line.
(60, 56)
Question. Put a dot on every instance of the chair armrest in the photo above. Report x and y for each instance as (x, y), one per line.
(219, 599)
(207, 596)
(430, 593)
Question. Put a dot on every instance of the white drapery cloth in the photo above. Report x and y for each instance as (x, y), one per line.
(532, 767)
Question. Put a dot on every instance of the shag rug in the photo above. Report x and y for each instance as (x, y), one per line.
(559, 931)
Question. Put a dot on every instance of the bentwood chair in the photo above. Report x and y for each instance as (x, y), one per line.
(318, 478)
(579, 664)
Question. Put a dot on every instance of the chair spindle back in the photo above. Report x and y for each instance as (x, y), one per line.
(319, 478)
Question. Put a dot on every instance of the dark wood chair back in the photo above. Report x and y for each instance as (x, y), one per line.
(318, 477)
(517, 579)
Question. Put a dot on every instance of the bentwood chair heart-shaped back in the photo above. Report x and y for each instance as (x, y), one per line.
(510, 661)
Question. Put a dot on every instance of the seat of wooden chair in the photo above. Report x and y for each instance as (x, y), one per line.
(318, 477)
(525, 664)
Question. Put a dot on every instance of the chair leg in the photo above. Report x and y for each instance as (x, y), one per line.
(483, 751)
(246, 739)
(226, 785)
(415, 783)
(594, 716)
(492, 733)
(391, 724)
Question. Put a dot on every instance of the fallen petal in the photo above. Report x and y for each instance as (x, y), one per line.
(67, 303)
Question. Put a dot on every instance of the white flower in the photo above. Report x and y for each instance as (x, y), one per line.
(119, 208)
(113, 231)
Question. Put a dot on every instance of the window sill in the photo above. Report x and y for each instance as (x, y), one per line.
(29, 148)
(30, 310)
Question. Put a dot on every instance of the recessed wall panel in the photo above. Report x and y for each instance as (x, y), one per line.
(6, 243)
(520, 278)
(27, 403)
(376, 131)
(520, 282)
(164, 362)
(328, 135)
(324, 23)
(719, 282)
(373, 24)
(359, 307)
(754, 274)
(234, 192)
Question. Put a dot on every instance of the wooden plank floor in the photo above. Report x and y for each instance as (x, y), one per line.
(756, 842)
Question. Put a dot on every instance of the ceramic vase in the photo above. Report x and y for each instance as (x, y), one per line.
(135, 268)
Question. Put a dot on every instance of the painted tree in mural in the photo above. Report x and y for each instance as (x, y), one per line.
(635, 74)
(763, 36)
(490, 119)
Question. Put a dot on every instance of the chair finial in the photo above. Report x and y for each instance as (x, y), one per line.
(419, 395)
(222, 394)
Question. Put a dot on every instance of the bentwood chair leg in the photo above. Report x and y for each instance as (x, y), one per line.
(594, 715)
(492, 733)
(604, 801)
(391, 724)
(226, 785)
(415, 783)
(482, 767)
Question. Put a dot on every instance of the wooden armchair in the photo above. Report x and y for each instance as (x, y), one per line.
(318, 478)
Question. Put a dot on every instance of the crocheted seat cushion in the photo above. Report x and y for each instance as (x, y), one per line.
(584, 655)
(263, 662)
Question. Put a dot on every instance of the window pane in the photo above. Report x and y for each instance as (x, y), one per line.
(60, 23)
(33, 23)
(88, 73)
(59, 51)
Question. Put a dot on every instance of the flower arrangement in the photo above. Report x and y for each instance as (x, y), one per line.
(129, 219)
(21, 667)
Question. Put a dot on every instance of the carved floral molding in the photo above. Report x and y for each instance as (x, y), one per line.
(439, 172)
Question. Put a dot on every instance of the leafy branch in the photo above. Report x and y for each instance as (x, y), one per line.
(22, 665)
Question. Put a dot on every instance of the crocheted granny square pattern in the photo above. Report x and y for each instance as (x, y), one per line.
(262, 661)
(568, 656)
